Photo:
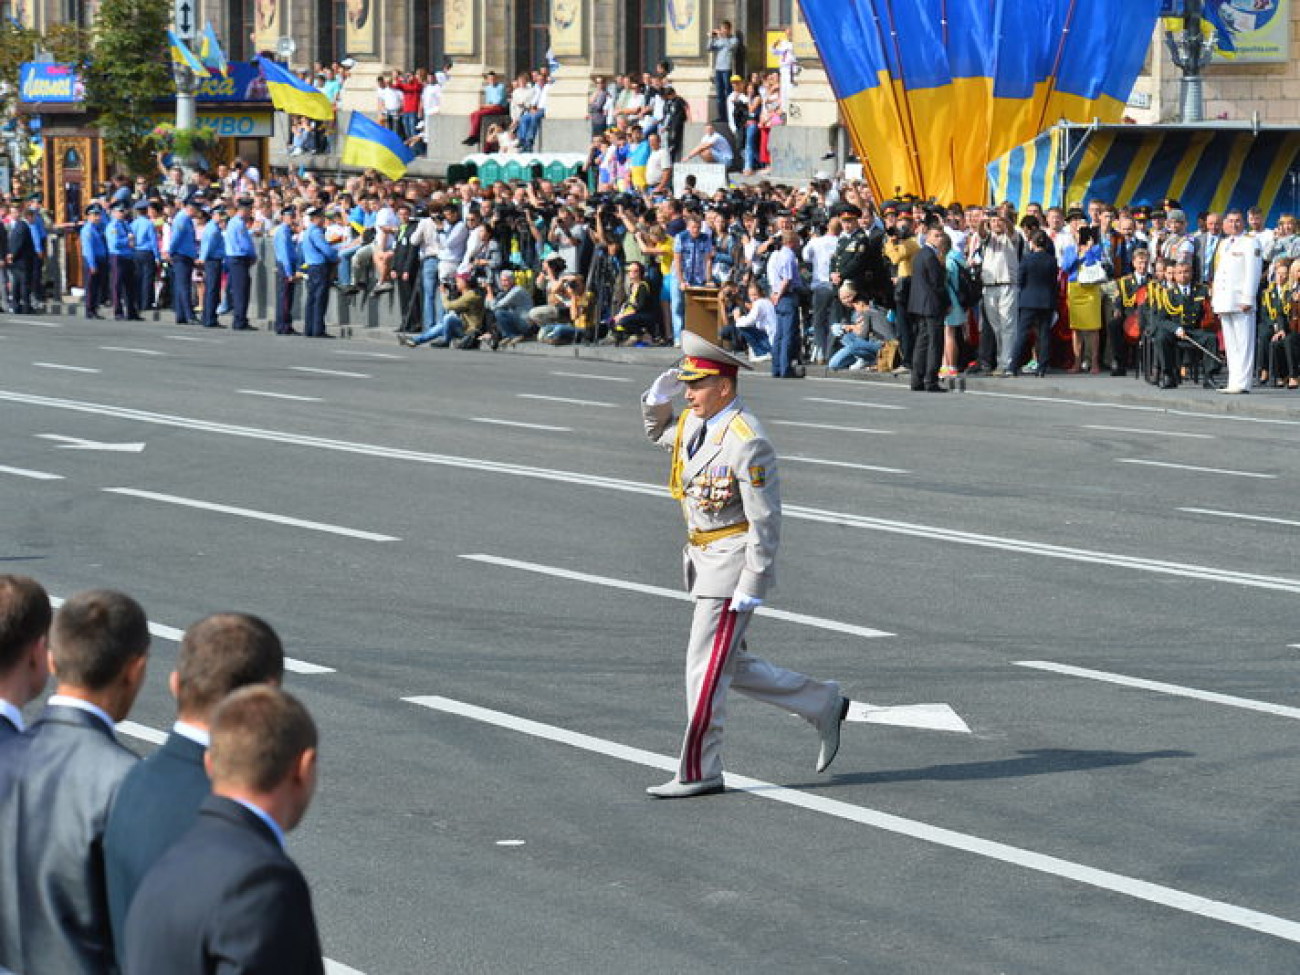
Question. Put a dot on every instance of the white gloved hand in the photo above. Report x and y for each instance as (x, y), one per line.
(743, 602)
(664, 388)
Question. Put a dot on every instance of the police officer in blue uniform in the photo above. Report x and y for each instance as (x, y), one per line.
(94, 258)
(212, 258)
(320, 256)
(146, 252)
(241, 255)
(182, 252)
(121, 266)
(287, 261)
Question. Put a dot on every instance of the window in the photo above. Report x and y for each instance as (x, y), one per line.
(652, 34)
(532, 30)
(238, 41)
(331, 27)
(428, 49)
(780, 14)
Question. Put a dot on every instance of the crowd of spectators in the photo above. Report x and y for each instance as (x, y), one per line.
(173, 865)
(821, 273)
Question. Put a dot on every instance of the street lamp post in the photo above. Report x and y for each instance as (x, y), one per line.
(1191, 51)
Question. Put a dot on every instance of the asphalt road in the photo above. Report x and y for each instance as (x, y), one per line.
(1099, 592)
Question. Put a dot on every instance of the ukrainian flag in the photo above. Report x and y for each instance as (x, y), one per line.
(184, 57)
(1026, 34)
(1098, 61)
(371, 146)
(291, 95)
(850, 37)
(923, 84)
(968, 26)
(210, 52)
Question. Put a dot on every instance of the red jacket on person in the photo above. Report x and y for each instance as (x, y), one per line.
(411, 91)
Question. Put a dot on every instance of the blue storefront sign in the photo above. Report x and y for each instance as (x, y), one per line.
(60, 83)
(49, 83)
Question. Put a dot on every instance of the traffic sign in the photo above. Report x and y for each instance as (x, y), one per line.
(186, 18)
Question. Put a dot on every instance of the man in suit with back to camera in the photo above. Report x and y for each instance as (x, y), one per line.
(24, 659)
(1037, 281)
(724, 474)
(159, 799)
(57, 783)
(252, 912)
(927, 304)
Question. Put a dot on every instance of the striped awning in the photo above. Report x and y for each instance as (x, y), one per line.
(1203, 167)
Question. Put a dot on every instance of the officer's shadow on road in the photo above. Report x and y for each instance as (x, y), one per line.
(1033, 761)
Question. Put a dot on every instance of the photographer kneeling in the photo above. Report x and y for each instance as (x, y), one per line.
(509, 302)
(462, 315)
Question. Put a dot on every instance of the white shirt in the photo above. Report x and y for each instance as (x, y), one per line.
(762, 314)
(431, 99)
(13, 714)
(390, 100)
(200, 736)
(818, 252)
(63, 700)
(660, 159)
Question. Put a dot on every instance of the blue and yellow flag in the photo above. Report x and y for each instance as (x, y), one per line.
(289, 94)
(184, 57)
(210, 52)
(931, 90)
(1098, 60)
(371, 146)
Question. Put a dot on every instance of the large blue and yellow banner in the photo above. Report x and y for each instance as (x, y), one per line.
(932, 90)
(1204, 168)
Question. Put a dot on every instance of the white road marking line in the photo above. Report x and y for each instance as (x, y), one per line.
(63, 368)
(331, 372)
(141, 731)
(366, 355)
(174, 635)
(583, 479)
(930, 717)
(185, 338)
(853, 402)
(1131, 407)
(77, 443)
(33, 475)
(251, 513)
(333, 967)
(588, 375)
(777, 614)
(571, 402)
(1234, 514)
(123, 348)
(524, 426)
(1170, 897)
(1161, 687)
(829, 427)
(288, 396)
(1151, 433)
(844, 463)
(28, 321)
(1191, 467)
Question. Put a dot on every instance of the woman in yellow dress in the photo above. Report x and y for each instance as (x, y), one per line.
(1083, 262)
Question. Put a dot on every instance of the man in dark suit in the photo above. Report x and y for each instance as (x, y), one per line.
(23, 264)
(159, 800)
(1037, 280)
(252, 910)
(927, 304)
(57, 782)
(24, 626)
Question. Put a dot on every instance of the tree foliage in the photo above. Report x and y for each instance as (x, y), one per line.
(129, 67)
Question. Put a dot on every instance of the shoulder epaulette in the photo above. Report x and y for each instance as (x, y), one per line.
(743, 430)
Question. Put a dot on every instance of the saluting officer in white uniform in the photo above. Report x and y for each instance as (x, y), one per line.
(724, 474)
(1236, 286)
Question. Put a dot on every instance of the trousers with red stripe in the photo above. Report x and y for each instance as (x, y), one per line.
(717, 661)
